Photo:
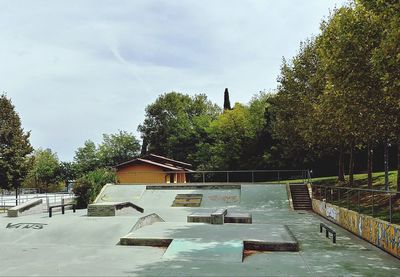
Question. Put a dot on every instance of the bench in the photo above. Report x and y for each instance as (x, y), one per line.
(62, 208)
(327, 231)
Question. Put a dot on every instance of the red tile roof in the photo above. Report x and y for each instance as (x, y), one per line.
(163, 162)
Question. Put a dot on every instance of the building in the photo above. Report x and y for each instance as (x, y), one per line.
(152, 169)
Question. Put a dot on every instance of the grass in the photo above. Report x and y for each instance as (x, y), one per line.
(365, 202)
(361, 180)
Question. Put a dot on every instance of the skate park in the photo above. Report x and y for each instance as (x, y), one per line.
(163, 240)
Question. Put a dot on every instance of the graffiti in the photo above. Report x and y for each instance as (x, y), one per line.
(332, 213)
(383, 234)
(35, 226)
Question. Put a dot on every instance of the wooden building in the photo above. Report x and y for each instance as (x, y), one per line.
(152, 169)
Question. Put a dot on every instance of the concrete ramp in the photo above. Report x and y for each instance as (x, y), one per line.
(25, 208)
(65, 230)
(120, 193)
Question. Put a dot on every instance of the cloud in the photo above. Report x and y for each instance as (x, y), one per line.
(78, 69)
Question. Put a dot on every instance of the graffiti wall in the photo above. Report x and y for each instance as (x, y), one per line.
(381, 233)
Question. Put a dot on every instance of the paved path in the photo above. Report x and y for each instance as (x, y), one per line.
(77, 245)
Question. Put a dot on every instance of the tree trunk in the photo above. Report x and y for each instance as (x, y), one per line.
(341, 164)
(351, 166)
(16, 197)
(386, 163)
(398, 165)
(144, 147)
(369, 166)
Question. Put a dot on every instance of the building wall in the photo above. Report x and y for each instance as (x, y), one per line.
(381, 233)
(134, 174)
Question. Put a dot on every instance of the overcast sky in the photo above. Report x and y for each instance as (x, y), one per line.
(78, 69)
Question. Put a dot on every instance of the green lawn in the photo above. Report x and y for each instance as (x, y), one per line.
(365, 202)
(360, 180)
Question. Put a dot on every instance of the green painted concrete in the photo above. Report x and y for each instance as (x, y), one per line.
(77, 245)
(202, 250)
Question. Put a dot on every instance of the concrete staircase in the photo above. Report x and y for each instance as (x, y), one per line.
(300, 197)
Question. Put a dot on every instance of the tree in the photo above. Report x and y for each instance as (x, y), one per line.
(227, 102)
(386, 59)
(293, 110)
(89, 185)
(230, 134)
(67, 172)
(86, 158)
(14, 147)
(346, 46)
(45, 170)
(175, 124)
(118, 148)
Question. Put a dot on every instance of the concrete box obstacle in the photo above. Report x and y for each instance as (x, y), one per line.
(110, 208)
(199, 241)
(21, 208)
(220, 216)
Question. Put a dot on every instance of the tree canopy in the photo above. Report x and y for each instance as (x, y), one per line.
(15, 147)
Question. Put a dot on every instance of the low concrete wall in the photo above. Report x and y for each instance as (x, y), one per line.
(22, 208)
(103, 209)
(381, 233)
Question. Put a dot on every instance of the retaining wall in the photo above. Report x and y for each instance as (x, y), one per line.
(381, 233)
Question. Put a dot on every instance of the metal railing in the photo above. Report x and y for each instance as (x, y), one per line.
(376, 203)
(230, 176)
(8, 200)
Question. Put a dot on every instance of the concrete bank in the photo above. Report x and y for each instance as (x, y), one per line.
(381, 233)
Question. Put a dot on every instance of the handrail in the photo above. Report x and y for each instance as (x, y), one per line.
(356, 189)
(352, 198)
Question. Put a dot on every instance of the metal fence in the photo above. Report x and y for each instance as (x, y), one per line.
(8, 198)
(376, 203)
(232, 176)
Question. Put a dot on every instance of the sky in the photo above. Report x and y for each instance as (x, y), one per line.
(78, 69)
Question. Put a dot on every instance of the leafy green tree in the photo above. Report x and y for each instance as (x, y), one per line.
(118, 148)
(14, 147)
(44, 173)
(293, 109)
(67, 172)
(347, 43)
(89, 185)
(175, 124)
(230, 134)
(386, 59)
(86, 158)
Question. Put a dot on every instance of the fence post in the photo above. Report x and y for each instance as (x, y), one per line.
(204, 179)
(252, 176)
(373, 203)
(227, 176)
(279, 178)
(390, 208)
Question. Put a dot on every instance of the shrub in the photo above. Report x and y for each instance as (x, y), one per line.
(89, 185)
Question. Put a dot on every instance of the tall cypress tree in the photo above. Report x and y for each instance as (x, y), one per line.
(14, 147)
(227, 103)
